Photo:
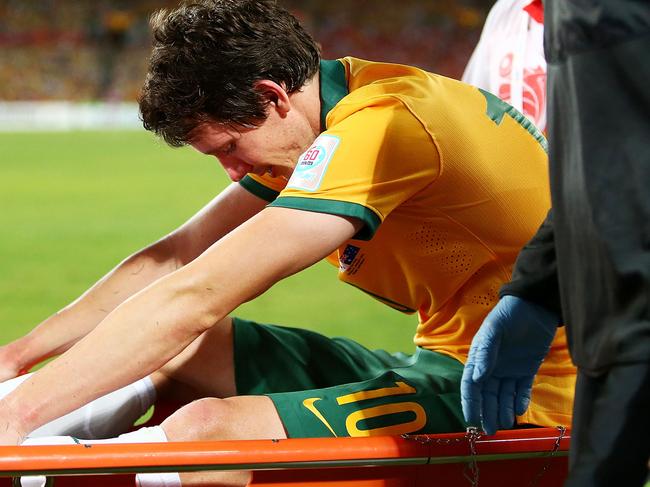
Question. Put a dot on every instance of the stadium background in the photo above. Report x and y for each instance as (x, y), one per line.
(72, 203)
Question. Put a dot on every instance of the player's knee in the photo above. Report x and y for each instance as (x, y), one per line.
(203, 419)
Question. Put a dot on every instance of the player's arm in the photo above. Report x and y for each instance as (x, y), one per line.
(62, 330)
(156, 324)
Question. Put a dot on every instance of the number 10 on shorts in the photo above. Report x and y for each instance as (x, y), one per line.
(381, 417)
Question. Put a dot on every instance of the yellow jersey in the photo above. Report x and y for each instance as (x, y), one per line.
(450, 183)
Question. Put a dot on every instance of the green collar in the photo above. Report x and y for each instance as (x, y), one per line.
(333, 87)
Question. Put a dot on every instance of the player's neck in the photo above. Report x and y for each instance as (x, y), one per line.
(307, 100)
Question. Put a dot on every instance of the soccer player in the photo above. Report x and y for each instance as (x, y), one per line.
(589, 264)
(419, 188)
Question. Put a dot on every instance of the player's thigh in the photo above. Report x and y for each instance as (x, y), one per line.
(204, 368)
(421, 398)
(238, 356)
(271, 358)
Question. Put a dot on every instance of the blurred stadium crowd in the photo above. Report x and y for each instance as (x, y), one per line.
(83, 50)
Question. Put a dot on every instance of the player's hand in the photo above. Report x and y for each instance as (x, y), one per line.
(503, 359)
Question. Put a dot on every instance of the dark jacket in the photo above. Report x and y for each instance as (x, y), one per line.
(590, 261)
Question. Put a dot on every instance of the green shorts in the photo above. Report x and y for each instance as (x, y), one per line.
(336, 387)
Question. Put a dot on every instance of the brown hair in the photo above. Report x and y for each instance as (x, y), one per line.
(207, 57)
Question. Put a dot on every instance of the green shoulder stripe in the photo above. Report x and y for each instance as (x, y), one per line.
(258, 189)
(333, 87)
(370, 219)
(497, 108)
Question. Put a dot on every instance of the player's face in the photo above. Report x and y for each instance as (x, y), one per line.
(272, 147)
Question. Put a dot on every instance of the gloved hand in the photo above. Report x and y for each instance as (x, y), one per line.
(504, 357)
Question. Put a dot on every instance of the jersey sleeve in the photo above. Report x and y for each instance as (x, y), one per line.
(265, 187)
(364, 166)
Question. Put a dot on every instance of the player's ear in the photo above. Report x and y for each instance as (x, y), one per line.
(275, 94)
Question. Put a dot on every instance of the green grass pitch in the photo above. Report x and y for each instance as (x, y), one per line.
(73, 204)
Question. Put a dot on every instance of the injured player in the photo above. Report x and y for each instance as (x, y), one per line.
(419, 188)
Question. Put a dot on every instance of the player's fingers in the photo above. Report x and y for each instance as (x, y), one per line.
(470, 396)
(485, 348)
(522, 392)
(507, 403)
(490, 405)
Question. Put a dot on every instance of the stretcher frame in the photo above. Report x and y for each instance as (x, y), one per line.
(526, 457)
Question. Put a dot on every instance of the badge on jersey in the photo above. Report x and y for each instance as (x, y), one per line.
(347, 257)
(312, 165)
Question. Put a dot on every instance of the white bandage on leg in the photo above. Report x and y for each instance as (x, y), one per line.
(149, 435)
(40, 480)
(105, 417)
(163, 479)
(154, 434)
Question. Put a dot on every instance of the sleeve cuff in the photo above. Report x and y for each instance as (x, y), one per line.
(258, 189)
(370, 219)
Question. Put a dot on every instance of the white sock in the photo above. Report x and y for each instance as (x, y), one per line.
(166, 479)
(40, 480)
(154, 434)
(161, 479)
(105, 417)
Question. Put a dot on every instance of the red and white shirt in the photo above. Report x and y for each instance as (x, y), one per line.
(509, 58)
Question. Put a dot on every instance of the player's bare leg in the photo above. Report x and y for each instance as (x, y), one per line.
(208, 418)
(236, 418)
(204, 369)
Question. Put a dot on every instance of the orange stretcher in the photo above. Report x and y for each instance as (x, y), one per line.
(526, 457)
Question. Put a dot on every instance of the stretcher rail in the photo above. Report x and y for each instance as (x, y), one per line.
(281, 454)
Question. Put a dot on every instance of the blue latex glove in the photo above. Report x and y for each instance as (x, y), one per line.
(504, 357)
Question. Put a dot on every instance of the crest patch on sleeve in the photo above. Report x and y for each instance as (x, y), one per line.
(313, 163)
